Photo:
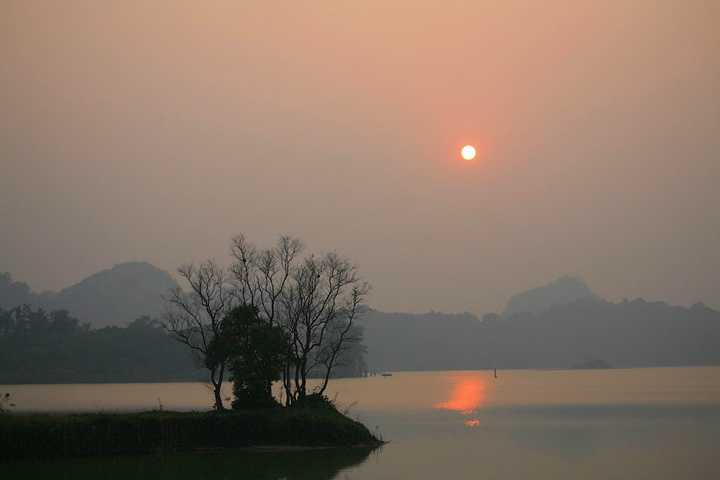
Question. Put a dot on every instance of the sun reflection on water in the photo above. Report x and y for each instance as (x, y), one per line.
(467, 396)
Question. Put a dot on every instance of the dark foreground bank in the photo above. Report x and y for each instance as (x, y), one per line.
(35, 436)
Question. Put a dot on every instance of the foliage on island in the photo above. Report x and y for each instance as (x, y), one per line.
(256, 353)
(5, 403)
(35, 436)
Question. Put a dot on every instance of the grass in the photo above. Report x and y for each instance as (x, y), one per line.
(35, 436)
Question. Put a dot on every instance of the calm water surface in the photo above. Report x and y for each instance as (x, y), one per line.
(637, 423)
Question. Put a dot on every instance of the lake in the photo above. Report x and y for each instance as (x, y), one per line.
(649, 423)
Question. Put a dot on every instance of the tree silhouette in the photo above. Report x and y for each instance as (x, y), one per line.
(195, 318)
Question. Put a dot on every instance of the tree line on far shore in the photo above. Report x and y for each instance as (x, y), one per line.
(37, 346)
(628, 334)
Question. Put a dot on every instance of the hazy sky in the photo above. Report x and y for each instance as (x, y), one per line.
(155, 130)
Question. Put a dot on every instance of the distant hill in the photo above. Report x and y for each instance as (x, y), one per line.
(116, 296)
(13, 294)
(119, 295)
(563, 291)
(628, 334)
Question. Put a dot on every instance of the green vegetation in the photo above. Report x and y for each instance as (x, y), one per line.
(5, 403)
(256, 352)
(34, 436)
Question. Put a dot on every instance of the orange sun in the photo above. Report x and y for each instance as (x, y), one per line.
(468, 152)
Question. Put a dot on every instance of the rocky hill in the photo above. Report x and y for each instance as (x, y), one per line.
(562, 291)
(116, 296)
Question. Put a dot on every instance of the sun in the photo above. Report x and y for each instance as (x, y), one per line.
(468, 152)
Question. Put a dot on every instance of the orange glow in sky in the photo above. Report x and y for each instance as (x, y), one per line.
(598, 114)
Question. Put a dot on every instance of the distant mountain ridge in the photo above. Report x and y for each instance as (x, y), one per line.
(627, 334)
(554, 326)
(562, 291)
(115, 296)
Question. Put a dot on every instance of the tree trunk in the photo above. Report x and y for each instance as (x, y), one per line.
(218, 398)
(217, 387)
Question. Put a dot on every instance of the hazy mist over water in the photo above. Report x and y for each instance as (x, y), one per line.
(133, 130)
(655, 423)
(412, 390)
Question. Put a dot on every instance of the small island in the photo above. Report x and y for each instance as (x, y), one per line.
(592, 364)
(308, 426)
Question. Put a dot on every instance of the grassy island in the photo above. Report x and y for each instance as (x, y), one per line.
(35, 436)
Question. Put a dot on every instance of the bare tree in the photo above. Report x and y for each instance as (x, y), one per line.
(315, 300)
(261, 276)
(319, 308)
(195, 317)
(342, 334)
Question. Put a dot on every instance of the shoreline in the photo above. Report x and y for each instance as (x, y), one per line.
(152, 432)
